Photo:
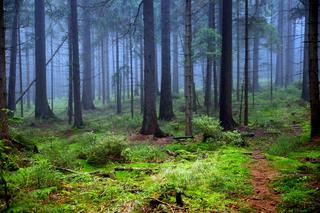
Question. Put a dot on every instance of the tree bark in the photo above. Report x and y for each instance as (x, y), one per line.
(246, 65)
(150, 124)
(256, 53)
(226, 117)
(78, 122)
(175, 57)
(305, 78)
(42, 109)
(208, 85)
(313, 68)
(166, 110)
(279, 63)
(13, 58)
(4, 129)
(87, 99)
(290, 48)
(188, 72)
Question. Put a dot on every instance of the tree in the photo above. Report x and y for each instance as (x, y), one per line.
(78, 123)
(226, 117)
(290, 48)
(279, 63)
(208, 85)
(246, 65)
(313, 68)
(256, 52)
(150, 124)
(305, 76)
(166, 111)
(188, 71)
(13, 58)
(87, 99)
(42, 109)
(4, 130)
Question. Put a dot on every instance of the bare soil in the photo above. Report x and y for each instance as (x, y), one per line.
(264, 199)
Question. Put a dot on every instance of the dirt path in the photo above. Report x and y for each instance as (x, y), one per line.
(263, 198)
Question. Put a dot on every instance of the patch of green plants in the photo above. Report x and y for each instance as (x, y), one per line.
(144, 153)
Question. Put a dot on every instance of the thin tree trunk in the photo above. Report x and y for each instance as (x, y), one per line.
(107, 69)
(188, 75)
(279, 62)
(13, 58)
(20, 70)
(131, 75)
(175, 76)
(103, 72)
(78, 122)
(305, 79)
(290, 48)
(118, 76)
(28, 74)
(141, 76)
(238, 50)
(51, 68)
(246, 65)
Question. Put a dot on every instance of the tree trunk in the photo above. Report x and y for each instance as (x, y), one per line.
(208, 85)
(313, 68)
(238, 50)
(78, 123)
(226, 68)
(20, 69)
(131, 75)
(188, 74)
(290, 48)
(256, 54)
(4, 129)
(279, 63)
(103, 71)
(87, 99)
(141, 76)
(107, 86)
(13, 58)
(70, 89)
(150, 124)
(166, 110)
(28, 73)
(42, 109)
(118, 77)
(175, 57)
(305, 78)
(246, 65)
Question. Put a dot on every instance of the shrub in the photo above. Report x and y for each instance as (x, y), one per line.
(208, 127)
(110, 148)
(213, 132)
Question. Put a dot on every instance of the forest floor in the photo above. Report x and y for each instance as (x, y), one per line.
(108, 167)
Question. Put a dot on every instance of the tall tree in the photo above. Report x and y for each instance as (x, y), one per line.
(208, 84)
(13, 58)
(4, 130)
(150, 124)
(246, 64)
(42, 109)
(87, 99)
(166, 111)
(314, 68)
(256, 52)
(188, 70)
(305, 76)
(226, 117)
(279, 63)
(290, 47)
(78, 122)
(175, 62)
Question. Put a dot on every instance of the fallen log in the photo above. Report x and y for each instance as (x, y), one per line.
(132, 169)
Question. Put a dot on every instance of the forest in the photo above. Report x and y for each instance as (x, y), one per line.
(159, 106)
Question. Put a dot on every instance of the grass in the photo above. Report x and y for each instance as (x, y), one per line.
(211, 175)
